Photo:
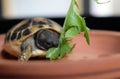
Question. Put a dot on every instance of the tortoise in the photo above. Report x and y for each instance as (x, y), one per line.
(32, 38)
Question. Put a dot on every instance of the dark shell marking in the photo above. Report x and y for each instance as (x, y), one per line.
(14, 35)
(39, 23)
(24, 26)
(8, 36)
(26, 32)
(17, 33)
(49, 22)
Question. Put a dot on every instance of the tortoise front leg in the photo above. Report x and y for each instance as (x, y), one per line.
(26, 53)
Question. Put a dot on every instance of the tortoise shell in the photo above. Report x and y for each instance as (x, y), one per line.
(32, 37)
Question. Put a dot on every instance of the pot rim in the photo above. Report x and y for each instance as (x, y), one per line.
(106, 65)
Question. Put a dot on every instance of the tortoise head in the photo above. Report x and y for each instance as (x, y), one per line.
(46, 38)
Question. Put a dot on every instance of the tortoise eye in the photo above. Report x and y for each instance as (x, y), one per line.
(45, 39)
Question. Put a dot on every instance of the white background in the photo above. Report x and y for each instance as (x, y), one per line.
(34, 8)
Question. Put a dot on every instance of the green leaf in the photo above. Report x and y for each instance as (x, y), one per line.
(65, 48)
(73, 25)
(86, 29)
(71, 33)
(52, 53)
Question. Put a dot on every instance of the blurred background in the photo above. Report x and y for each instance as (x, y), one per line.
(98, 16)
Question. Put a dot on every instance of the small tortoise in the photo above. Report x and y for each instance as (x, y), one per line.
(32, 37)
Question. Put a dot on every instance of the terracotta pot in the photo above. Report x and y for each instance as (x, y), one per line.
(99, 60)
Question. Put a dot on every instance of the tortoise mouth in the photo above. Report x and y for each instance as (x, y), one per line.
(46, 38)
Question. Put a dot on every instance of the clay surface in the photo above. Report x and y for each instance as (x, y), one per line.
(99, 60)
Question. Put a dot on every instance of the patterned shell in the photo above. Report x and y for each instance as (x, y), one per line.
(26, 29)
